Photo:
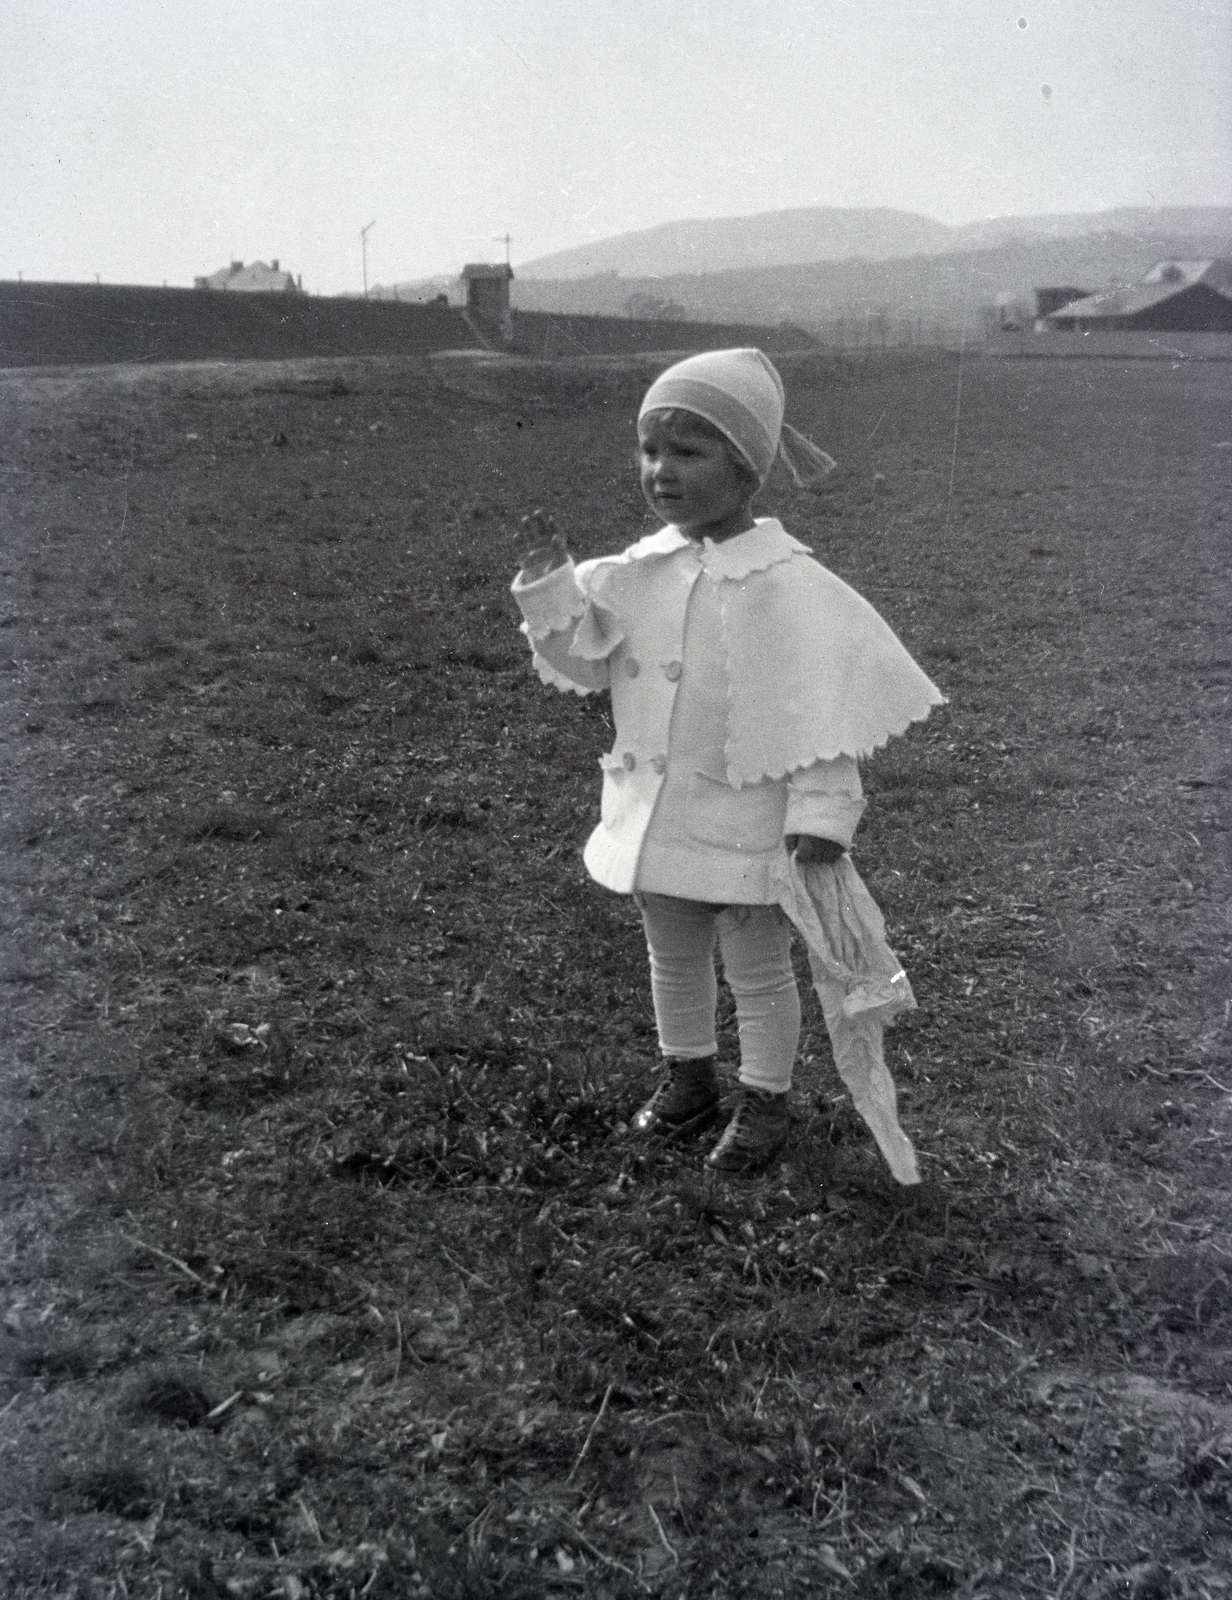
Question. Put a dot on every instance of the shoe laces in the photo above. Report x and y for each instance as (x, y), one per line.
(749, 1102)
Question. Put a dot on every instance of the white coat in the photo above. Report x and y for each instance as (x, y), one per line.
(812, 679)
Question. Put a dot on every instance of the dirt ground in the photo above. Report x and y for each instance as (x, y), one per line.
(330, 1266)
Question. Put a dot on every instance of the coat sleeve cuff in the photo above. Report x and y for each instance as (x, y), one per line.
(825, 800)
(551, 604)
(824, 817)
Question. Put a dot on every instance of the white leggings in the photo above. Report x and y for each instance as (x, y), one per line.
(755, 943)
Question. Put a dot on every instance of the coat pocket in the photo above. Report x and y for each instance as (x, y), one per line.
(736, 819)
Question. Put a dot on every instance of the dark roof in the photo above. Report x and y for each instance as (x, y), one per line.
(487, 269)
(1053, 296)
(1163, 282)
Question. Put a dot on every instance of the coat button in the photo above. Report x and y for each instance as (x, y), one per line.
(672, 671)
(632, 667)
(628, 761)
(659, 764)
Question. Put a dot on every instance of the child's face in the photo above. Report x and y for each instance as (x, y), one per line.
(689, 477)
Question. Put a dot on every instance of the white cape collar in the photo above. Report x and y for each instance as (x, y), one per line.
(764, 545)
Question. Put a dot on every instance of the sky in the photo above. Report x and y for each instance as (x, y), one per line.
(149, 141)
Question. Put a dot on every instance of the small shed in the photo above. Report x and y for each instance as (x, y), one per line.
(255, 278)
(487, 295)
(1174, 297)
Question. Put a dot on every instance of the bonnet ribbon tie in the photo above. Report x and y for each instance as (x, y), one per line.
(808, 463)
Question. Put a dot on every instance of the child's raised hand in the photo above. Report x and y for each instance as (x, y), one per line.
(540, 545)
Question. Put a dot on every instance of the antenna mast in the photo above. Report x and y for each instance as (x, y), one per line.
(506, 239)
(363, 240)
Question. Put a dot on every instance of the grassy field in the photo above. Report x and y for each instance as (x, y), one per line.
(330, 1267)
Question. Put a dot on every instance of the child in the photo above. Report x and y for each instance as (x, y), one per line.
(746, 681)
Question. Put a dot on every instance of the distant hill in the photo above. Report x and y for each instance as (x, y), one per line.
(829, 233)
(855, 274)
(774, 239)
(1210, 225)
(927, 295)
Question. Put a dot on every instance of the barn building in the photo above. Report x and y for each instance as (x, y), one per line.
(487, 297)
(255, 278)
(1174, 297)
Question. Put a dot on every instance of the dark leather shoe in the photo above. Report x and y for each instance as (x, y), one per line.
(756, 1133)
(685, 1102)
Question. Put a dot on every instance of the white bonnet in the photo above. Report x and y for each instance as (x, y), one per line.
(741, 394)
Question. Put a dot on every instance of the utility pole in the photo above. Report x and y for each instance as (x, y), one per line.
(363, 240)
(506, 239)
